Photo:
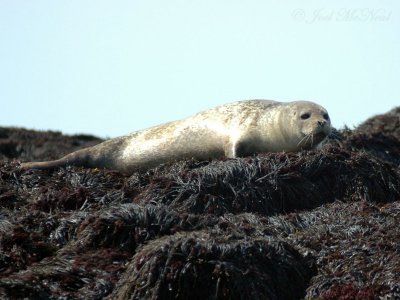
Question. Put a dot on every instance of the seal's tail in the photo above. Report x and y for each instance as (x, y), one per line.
(77, 158)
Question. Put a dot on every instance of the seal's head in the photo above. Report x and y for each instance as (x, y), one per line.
(311, 122)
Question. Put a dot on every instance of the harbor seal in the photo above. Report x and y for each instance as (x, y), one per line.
(237, 129)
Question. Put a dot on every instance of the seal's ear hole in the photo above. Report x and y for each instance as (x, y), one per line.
(326, 116)
(305, 116)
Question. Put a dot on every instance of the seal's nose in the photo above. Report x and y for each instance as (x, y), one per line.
(321, 123)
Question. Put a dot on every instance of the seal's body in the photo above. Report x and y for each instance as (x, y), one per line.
(232, 130)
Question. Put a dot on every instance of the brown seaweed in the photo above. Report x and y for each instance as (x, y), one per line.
(313, 224)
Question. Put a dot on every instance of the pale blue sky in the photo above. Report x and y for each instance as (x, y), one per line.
(112, 67)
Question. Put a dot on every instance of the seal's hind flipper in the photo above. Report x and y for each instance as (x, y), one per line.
(77, 158)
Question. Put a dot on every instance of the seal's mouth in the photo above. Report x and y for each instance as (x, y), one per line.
(312, 139)
(320, 136)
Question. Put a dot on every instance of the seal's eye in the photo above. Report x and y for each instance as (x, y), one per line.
(305, 116)
(326, 116)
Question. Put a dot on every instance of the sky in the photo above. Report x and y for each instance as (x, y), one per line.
(112, 67)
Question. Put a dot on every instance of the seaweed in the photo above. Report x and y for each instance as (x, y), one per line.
(312, 224)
